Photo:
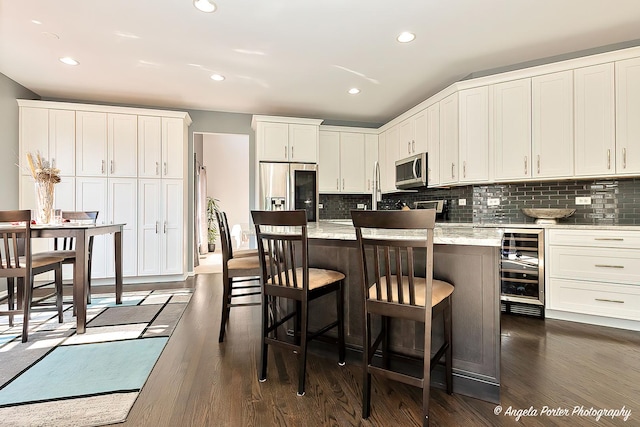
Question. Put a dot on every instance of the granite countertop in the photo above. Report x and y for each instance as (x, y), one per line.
(446, 235)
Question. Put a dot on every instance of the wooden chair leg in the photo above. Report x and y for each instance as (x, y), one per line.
(426, 385)
(386, 327)
(366, 359)
(340, 313)
(297, 324)
(449, 352)
(10, 298)
(58, 282)
(267, 303)
(27, 286)
(224, 317)
(302, 356)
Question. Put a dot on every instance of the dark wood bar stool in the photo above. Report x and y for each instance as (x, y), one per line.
(236, 270)
(393, 289)
(241, 253)
(17, 262)
(285, 274)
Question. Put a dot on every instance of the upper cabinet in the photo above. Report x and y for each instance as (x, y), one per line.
(412, 135)
(344, 160)
(329, 162)
(52, 133)
(595, 120)
(552, 125)
(388, 154)
(627, 114)
(432, 116)
(449, 139)
(106, 144)
(510, 129)
(352, 162)
(474, 135)
(370, 159)
(286, 139)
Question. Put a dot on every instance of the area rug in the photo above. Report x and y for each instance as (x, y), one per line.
(59, 378)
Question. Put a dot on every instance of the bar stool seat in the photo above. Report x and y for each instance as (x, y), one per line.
(441, 290)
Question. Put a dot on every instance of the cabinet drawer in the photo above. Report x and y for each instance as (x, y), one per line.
(597, 238)
(601, 299)
(595, 264)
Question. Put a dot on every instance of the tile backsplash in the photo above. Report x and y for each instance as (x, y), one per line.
(613, 202)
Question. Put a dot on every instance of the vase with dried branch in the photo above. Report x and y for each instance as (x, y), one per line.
(45, 177)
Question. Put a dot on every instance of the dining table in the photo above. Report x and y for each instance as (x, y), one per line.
(82, 232)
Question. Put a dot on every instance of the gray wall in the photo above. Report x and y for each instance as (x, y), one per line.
(9, 173)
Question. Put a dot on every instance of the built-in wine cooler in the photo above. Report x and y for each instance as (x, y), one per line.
(522, 272)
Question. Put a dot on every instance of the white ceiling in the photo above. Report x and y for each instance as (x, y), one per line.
(289, 57)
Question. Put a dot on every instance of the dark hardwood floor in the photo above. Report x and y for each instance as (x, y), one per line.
(199, 382)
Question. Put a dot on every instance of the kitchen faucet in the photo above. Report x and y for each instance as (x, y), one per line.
(376, 192)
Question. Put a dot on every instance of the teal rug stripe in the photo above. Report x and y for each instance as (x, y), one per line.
(81, 370)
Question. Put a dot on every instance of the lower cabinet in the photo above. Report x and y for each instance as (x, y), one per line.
(160, 239)
(594, 272)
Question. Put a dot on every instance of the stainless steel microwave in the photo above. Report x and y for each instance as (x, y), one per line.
(412, 172)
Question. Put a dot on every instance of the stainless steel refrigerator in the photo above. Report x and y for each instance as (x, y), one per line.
(289, 186)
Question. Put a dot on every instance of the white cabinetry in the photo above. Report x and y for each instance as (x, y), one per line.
(160, 232)
(52, 134)
(160, 147)
(370, 158)
(412, 135)
(285, 139)
(449, 139)
(510, 129)
(106, 144)
(342, 162)
(474, 135)
(387, 155)
(552, 125)
(594, 120)
(627, 113)
(433, 144)
(595, 273)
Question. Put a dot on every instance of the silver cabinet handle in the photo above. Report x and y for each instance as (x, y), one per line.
(53, 162)
(429, 174)
(538, 163)
(409, 147)
(102, 168)
(609, 266)
(337, 183)
(157, 168)
(610, 300)
(624, 158)
(616, 239)
(368, 184)
(413, 146)
(165, 168)
(452, 166)
(609, 158)
(464, 169)
(285, 151)
(292, 156)
(343, 183)
(111, 167)
(165, 227)
(157, 227)
(525, 165)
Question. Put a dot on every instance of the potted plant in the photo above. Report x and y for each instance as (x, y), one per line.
(212, 222)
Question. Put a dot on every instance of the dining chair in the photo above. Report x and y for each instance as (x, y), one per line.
(397, 283)
(17, 262)
(235, 270)
(65, 246)
(240, 253)
(286, 275)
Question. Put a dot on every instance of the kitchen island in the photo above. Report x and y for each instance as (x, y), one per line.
(467, 257)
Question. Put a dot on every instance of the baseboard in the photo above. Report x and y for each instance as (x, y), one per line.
(610, 322)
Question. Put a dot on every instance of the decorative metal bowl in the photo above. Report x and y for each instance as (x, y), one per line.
(548, 215)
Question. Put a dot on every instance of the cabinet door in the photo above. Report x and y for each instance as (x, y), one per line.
(122, 138)
(449, 139)
(173, 146)
(352, 162)
(420, 132)
(627, 113)
(303, 143)
(474, 134)
(329, 164)
(62, 140)
(433, 144)
(552, 125)
(594, 120)
(91, 143)
(370, 158)
(123, 199)
(34, 135)
(172, 244)
(407, 141)
(91, 195)
(389, 160)
(149, 146)
(149, 205)
(510, 129)
(273, 141)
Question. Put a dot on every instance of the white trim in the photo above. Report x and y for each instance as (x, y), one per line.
(288, 120)
(331, 128)
(593, 320)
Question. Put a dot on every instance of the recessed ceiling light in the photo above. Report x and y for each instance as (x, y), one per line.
(69, 61)
(35, 21)
(205, 5)
(406, 37)
(354, 91)
(217, 77)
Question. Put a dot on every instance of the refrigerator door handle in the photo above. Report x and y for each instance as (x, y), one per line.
(290, 186)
